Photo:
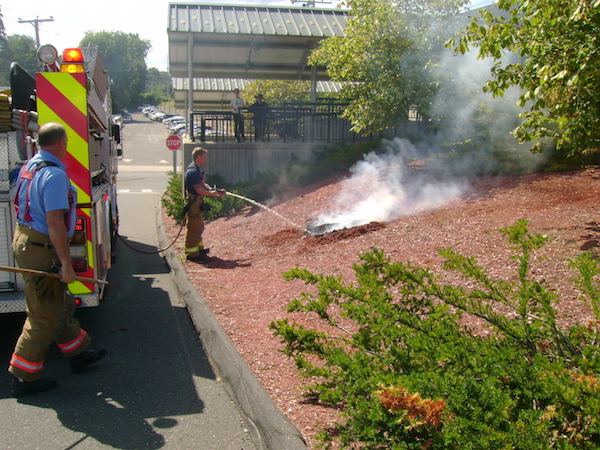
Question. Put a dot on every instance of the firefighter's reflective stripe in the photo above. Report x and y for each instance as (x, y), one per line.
(196, 249)
(74, 344)
(27, 366)
(192, 250)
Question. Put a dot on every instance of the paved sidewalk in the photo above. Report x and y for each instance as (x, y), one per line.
(272, 430)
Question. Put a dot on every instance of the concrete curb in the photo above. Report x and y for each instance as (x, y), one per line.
(272, 430)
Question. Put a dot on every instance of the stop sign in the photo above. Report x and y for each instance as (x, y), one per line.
(173, 142)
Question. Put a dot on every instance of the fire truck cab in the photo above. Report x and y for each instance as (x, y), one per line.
(75, 91)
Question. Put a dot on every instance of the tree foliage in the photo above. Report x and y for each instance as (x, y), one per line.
(158, 87)
(17, 48)
(277, 93)
(124, 56)
(23, 51)
(387, 47)
(3, 53)
(558, 42)
(391, 350)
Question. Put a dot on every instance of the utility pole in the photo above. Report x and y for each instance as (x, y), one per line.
(36, 24)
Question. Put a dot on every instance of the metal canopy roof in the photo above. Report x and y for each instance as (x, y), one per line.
(233, 41)
(216, 93)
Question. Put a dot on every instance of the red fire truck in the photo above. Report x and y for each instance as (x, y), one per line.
(75, 91)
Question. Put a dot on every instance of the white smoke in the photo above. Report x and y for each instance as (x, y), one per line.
(383, 188)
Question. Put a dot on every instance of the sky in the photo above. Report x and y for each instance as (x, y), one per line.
(146, 18)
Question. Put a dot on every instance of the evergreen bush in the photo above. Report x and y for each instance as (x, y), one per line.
(173, 200)
(392, 353)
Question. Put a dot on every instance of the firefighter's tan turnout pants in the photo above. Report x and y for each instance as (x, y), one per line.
(195, 226)
(49, 308)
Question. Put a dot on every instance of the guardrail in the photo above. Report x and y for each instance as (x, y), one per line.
(306, 122)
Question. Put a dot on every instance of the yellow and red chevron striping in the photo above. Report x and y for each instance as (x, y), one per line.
(79, 175)
(62, 98)
(52, 90)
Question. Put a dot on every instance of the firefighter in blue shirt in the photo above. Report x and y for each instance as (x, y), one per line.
(46, 207)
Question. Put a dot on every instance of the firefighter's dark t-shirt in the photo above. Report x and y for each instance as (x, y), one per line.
(193, 176)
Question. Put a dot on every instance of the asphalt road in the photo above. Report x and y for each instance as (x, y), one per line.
(155, 388)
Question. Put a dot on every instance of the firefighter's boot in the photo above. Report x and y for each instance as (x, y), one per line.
(22, 388)
(80, 362)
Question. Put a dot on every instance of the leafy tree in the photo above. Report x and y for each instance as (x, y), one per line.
(2, 29)
(158, 87)
(278, 93)
(558, 42)
(124, 55)
(20, 49)
(388, 48)
(158, 82)
(3, 53)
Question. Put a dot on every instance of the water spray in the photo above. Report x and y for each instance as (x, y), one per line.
(260, 205)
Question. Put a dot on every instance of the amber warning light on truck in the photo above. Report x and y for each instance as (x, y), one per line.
(72, 61)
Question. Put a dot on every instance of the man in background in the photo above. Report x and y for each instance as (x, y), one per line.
(259, 110)
(237, 102)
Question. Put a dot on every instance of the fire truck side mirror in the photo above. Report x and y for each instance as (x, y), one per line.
(117, 133)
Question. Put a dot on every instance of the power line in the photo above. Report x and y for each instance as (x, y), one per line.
(36, 24)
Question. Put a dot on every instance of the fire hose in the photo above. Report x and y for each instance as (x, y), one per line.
(154, 252)
(50, 274)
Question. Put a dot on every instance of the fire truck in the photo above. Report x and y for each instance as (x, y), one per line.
(73, 90)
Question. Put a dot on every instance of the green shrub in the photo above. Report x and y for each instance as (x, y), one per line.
(407, 374)
(174, 202)
(224, 206)
(172, 199)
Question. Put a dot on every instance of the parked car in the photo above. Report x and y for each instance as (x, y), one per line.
(175, 126)
(177, 129)
(167, 121)
(156, 115)
(173, 120)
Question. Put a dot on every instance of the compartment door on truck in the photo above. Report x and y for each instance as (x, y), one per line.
(7, 281)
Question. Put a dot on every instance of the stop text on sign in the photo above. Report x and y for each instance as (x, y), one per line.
(173, 142)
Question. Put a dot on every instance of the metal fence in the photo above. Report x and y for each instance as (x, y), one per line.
(306, 122)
